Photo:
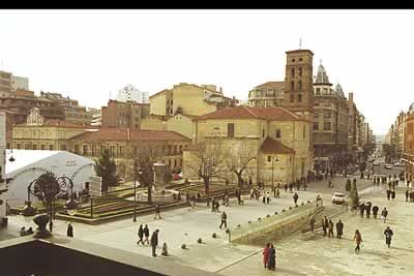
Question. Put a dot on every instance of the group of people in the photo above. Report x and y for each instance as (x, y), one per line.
(144, 232)
(269, 257)
(24, 232)
(328, 227)
(29, 231)
(365, 208)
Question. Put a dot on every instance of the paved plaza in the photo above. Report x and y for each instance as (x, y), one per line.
(295, 255)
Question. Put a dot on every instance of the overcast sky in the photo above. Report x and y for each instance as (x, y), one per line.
(88, 54)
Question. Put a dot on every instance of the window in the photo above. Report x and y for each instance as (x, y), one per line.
(76, 148)
(263, 133)
(112, 150)
(8, 146)
(300, 98)
(300, 85)
(269, 158)
(315, 115)
(230, 130)
(169, 149)
(304, 132)
(278, 133)
(327, 126)
(35, 147)
(292, 72)
(292, 99)
(318, 91)
(175, 149)
(181, 148)
(42, 147)
(292, 85)
(327, 115)
(293, 60)
(85, 150)
(300, 59)
(316, 126)
(300, 72)
(18, 146)
(51, 147)
(175, 163)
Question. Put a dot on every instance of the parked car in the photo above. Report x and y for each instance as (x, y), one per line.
(338, 198)
(388, 166)
(376, 162)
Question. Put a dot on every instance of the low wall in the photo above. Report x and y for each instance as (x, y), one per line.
(274, 228)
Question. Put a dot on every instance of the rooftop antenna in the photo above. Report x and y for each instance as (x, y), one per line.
(300, 43)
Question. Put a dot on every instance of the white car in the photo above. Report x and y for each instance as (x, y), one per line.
(388, 166)
(338, 198)
(376, 162)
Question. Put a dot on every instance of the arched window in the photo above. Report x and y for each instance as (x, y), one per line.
(292, 85)
(292, 72)
(300, 85)
(300, 72)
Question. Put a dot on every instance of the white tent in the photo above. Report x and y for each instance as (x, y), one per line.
(30, 164)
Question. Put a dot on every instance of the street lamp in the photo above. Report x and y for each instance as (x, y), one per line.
(135, 195)
(49, 189)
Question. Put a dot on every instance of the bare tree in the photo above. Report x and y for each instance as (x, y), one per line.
(238, 162)
(209, 163)
(144, 158)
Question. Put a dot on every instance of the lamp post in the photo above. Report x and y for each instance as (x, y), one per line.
(49, 188)
(135, 196)
(91, 206)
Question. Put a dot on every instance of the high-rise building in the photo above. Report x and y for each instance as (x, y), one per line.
(5, 82)
(131, 94)
(19, 83)
(124, 114)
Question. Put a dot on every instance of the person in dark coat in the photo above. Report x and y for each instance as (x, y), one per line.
(384, 214)
(368, 208)
(312, 223)
(70, 230)
(325, 225)
(358, 240)
(388, 193)
(154, 242)
(140, 235)
(330, 227)
(388, 235)
(271, 262)
(146, 234)
(295, 198)
(339, 229)
(362, 209)
(375, 210)
(286, 188)
(393, 193)
(223, 220)
(407, 193)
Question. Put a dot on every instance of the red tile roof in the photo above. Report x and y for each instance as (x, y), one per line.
(126, 134)
(57, 123)
(246, 112)
(273, 146)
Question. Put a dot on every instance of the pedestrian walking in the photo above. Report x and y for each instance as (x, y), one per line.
(223, 220)
(267, 197)
(407, 194)
(318, 201)
(393, 193)
(325, 225)
(291, 187)
(51, 225)
(330, 227)
(69, 231)
(266, 254)
(388, 193)
(339, 229)
(362, 209)
(358, 240)
(140, 235)
(384, 214)
(295, 199)
(271, 262)
(312, 223)
(264, 197)
(368, 208)
(298, 184)
(154, 242)
(375, 210)
(286, 187)
(157, 212)
(146, 234)
(22, 231)
(388, 236)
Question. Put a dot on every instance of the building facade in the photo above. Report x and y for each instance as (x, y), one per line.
(189, 99)
(276, 139)
(131, 94)
(19, 83)
(3, 186)
(330, 123)
(269, 94)
(408, 154)
(124, 114)
(124, 145)
(5, 83)
(73, 112)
